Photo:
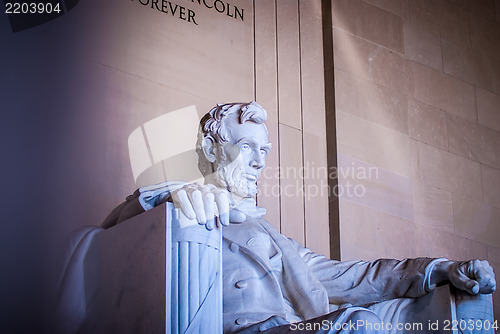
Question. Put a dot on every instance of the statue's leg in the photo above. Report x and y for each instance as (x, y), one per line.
(344, 321)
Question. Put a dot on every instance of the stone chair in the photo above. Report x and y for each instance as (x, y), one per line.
(158, 272)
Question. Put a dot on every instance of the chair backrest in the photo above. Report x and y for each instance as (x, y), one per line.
(156, 272)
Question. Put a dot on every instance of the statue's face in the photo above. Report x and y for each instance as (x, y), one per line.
(246, 151)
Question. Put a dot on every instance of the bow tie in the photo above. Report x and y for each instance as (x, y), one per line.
(249, 207)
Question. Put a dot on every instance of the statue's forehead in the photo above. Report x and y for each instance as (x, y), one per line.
(249, 130)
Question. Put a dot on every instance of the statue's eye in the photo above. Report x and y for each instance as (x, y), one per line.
(263, 152)
(245, 147)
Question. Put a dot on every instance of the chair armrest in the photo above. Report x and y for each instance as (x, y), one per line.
(442, 311)
(156, 272)
(474, 312)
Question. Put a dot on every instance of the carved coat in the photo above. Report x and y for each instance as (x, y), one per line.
(267, 274)
(313, 284)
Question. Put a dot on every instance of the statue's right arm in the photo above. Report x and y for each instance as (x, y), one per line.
(143, 199)
(208, 204)
(128, 209)
(205, 203)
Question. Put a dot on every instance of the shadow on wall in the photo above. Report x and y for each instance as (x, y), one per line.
(164, 148)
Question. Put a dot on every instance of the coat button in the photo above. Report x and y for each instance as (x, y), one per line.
(234, 247)
(241, 321)
(241, 284)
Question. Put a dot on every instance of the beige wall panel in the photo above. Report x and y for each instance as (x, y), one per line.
(289, 63)
(414, 160)
(375, 187)
(369, 22)
(173, 52)
(423, 45)
(497, 10)
(427, 124)
(291, 181)
(476, 221)
(495, 74)
(468, 64)
(370, 61)
(312, 69)
(449, 20)
(398, 7)
(453, 166)
(316, 194)
(314, 126)
(266, 93)
(485, 8)
(437, 243)
(485, 35)
(491, 185)
(433, 207)
(371, 102)
(269, 181)
(111, 104)
(131, 65)
(473, 141)
(454, 24)
(488, 109)
(449, 172)
(369, 234)
(444, 92)
(266, 67)
(426, 12)
(374, 144)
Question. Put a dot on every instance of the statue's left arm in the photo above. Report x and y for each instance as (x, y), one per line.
(474, 276)
(363, 282)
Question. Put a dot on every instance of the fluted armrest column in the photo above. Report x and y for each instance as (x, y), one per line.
(443, 311)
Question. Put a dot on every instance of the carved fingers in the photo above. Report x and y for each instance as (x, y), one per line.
(483, 273)
(207, 204)
(475, 276)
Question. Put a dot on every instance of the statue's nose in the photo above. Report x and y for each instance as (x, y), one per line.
(258, 162)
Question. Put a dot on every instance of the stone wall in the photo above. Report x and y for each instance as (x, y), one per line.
(413, 87)
(137, 64)
(417, 98)
(131, 64)
(134, 74)
(99, 96)
(290, 84)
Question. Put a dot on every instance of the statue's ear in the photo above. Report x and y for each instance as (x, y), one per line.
(208, 147)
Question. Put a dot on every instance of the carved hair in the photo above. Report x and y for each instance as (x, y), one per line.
(212, 126)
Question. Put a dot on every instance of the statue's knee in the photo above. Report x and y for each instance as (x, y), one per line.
(364, 314)
(366, 321)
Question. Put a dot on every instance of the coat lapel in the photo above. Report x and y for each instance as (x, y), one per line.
(240, 236)
(303, 289)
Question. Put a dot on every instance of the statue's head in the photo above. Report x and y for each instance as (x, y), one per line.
(232, 146)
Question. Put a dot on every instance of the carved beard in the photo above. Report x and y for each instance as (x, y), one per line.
(230, 175)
